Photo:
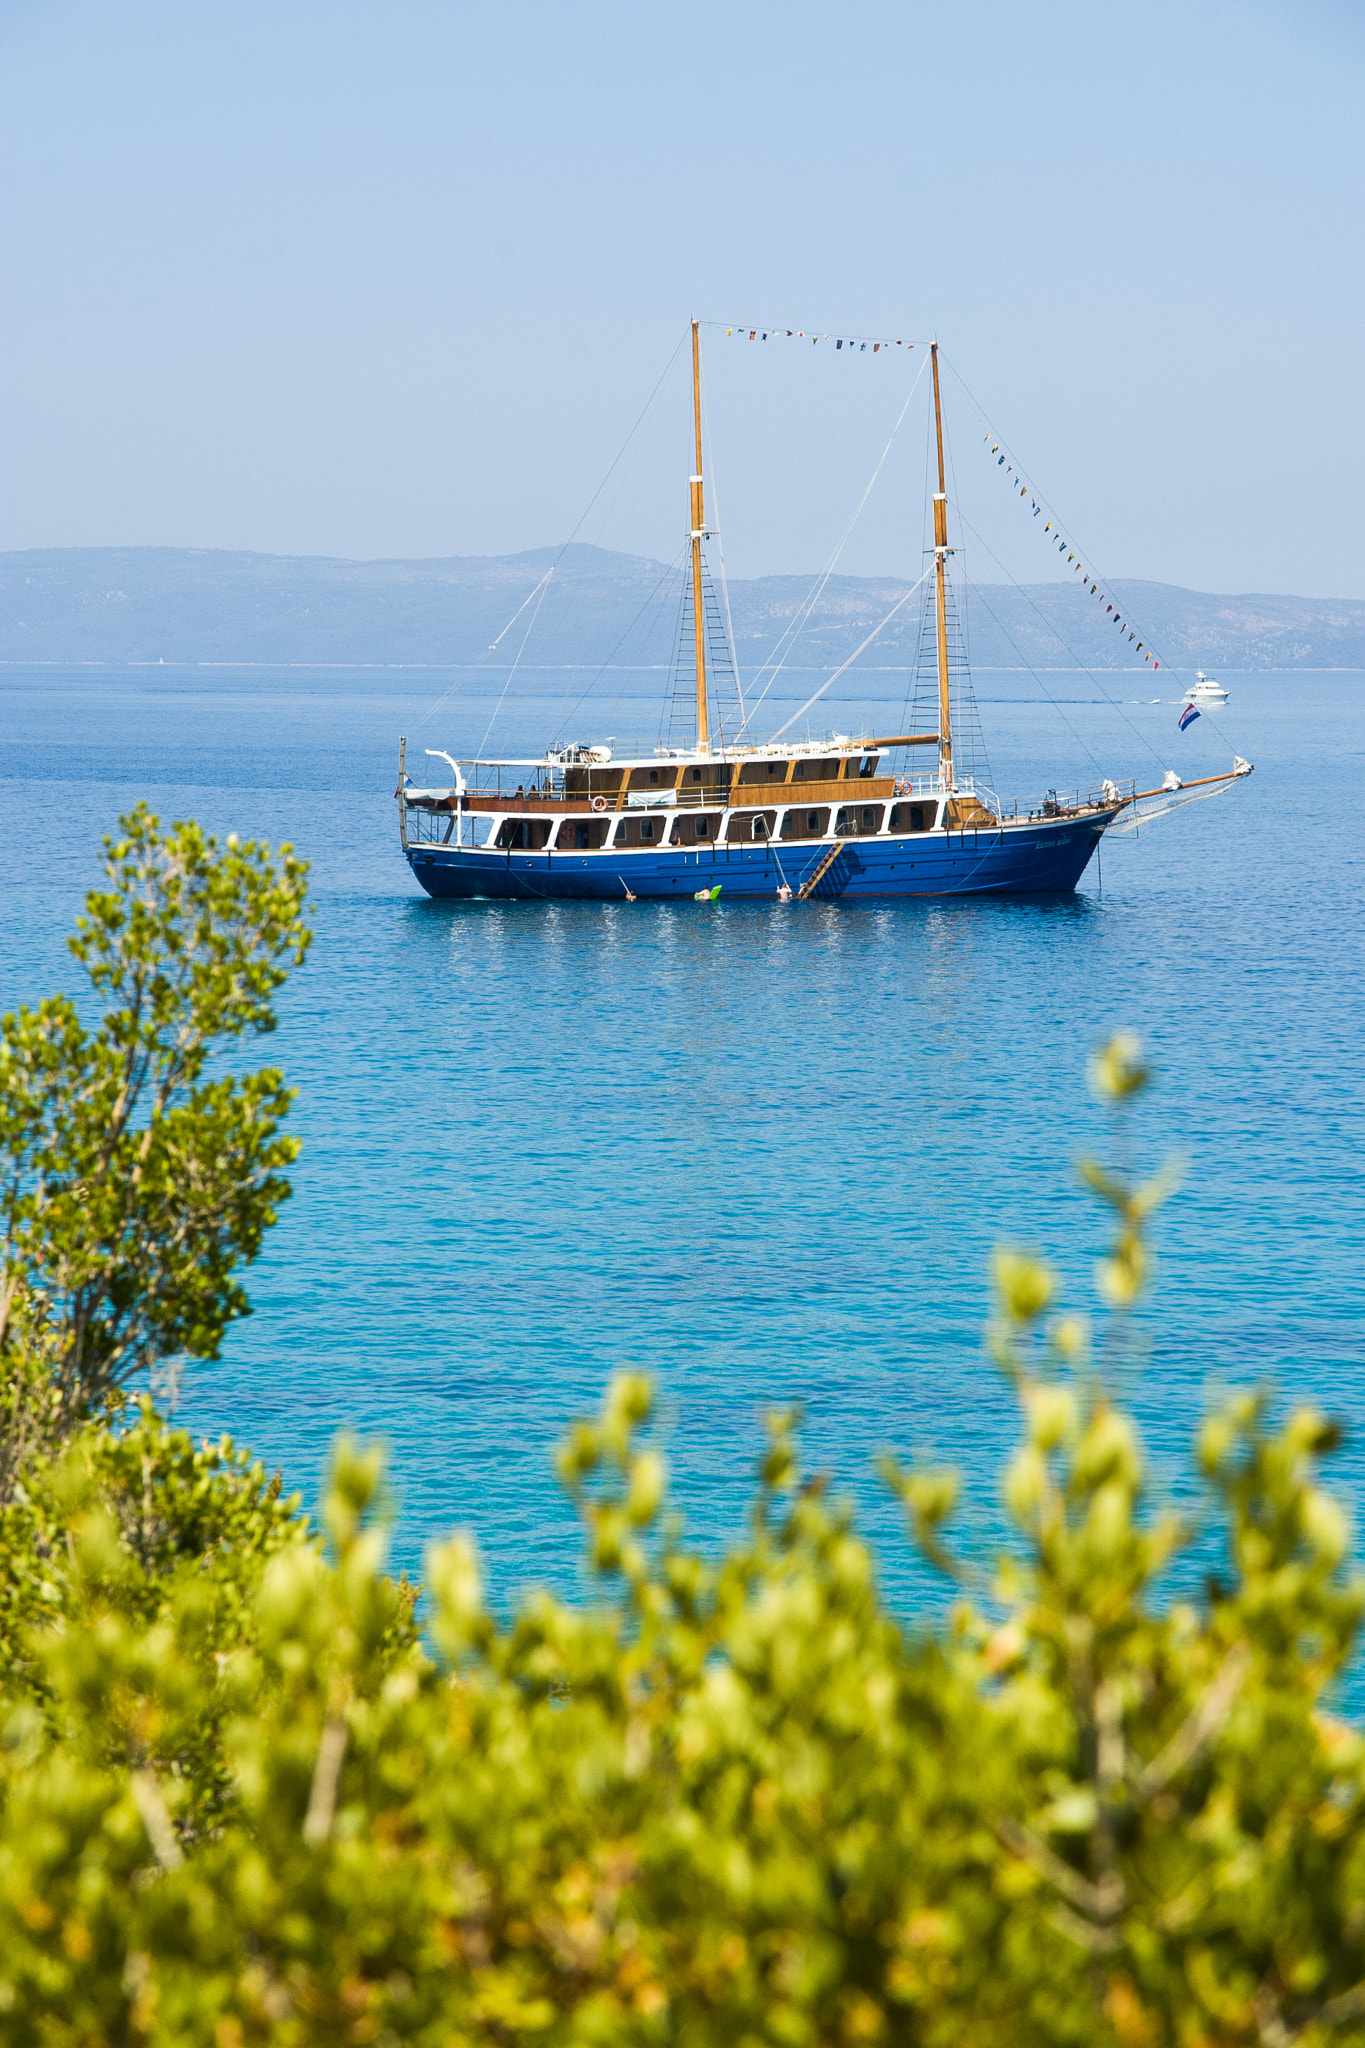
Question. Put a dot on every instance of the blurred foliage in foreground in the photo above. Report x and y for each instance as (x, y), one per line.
(243, 1798)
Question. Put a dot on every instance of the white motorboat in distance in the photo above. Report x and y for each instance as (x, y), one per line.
(1206, 691)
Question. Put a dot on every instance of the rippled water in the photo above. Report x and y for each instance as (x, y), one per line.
(761, 1153)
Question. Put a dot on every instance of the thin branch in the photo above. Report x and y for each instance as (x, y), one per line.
(322, 1799)
(1110, 1749)
(1096, 1941)
(155, 1818)
(1273, 2032)
(1101, 1901)
(1347, 2005)
(1199, 1728)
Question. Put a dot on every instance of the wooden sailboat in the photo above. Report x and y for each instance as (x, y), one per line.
(843, 816)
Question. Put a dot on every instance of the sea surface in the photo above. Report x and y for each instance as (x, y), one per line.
(760, 1153)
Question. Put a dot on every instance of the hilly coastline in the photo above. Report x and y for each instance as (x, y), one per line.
(128, 605)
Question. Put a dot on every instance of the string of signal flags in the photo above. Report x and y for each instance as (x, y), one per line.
(856, 344)
(1058, 540)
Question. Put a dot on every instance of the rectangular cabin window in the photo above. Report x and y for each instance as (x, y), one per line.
(582, 836)
(690, 828)
(517, 833)
(869, 818)
(812, 821)
(654, 776)
(646, 828)
(746, 826)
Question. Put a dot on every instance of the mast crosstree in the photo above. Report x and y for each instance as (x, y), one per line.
(942, 675)
(705, 709)
(698, 534)
(941, 554)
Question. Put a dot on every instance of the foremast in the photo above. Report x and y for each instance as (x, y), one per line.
(941, 554)
(698, 534)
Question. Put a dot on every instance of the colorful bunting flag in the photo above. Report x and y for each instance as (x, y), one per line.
(856, 344)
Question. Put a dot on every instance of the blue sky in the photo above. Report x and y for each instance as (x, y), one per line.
(396, 280)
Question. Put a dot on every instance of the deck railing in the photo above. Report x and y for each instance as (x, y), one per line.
(1067, 803)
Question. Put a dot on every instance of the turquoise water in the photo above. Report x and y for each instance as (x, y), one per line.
(760, 1153)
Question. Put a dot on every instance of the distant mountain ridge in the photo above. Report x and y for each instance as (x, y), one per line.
(117, 605)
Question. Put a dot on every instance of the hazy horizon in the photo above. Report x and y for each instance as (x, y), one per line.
(152, 603)
(544, 551)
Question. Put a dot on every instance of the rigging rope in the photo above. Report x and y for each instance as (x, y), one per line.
(1042, 504)
(720, 556)
(788, 638)
(977, 598)
(1131, 821)
(897, 606)
(565, 716)
(472, 667)
(1048, 623)
(544, 586)
(1112, 702)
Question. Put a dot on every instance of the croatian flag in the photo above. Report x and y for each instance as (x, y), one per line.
(1187, 718)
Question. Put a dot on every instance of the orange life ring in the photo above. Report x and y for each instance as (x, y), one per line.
(599, 803)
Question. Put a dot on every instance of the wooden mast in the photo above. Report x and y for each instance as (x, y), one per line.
(698, 528)
(941, 553)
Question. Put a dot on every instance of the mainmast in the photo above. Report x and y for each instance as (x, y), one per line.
(941, 554)
(698, 529)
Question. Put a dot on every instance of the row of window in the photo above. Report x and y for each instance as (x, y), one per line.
(770, 771)
(587, 835)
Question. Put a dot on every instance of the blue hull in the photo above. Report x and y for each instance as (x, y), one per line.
(1021, 859)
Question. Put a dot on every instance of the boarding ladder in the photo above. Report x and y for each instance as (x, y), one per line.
(812, 882)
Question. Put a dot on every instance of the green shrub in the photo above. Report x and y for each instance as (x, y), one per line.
(136, 1180)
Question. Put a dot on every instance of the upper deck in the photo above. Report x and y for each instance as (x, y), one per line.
(573, 777)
